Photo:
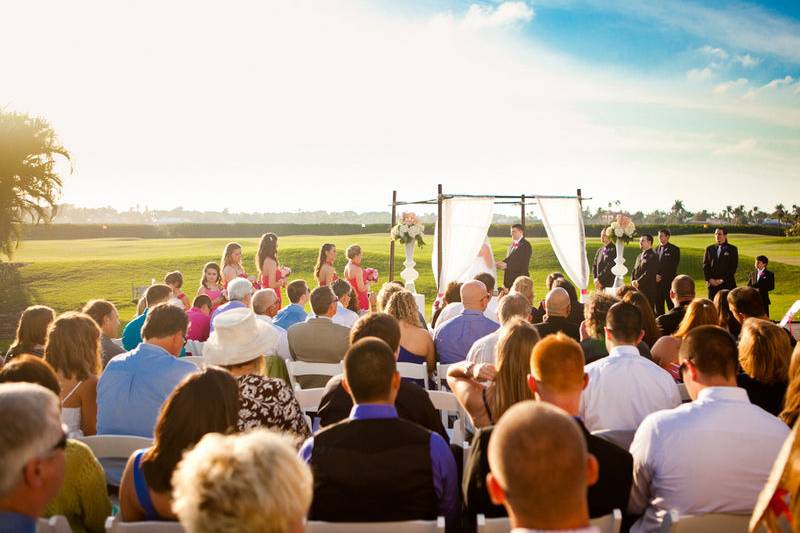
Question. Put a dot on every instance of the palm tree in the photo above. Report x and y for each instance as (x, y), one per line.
(780, 213)
(29, 184)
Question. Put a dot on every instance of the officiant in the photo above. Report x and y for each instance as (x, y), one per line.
(519, 257)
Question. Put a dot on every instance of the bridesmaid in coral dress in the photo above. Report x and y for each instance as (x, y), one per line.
(324, 270)
(356, 276)
(267, 263)
(232, 263)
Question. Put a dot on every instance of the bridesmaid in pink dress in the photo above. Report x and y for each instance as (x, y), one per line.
(324, 270)
(232, 263)
(356, 276)
(268, 266)
(211, 284)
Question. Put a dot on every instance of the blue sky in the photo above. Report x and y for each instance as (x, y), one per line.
(330, 105)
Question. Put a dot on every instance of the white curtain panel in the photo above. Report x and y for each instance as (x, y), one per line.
(563, 220)
(465, 225)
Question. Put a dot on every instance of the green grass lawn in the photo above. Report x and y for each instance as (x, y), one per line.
(65, 274)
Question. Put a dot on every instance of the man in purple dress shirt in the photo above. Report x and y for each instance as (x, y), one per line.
(374, 466)
(455, 337)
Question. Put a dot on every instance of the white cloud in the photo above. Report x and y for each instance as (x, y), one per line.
(742, 147)
(714, 52)
(775, 84)
(505, 14)
(698, 74)
(747, 60)
(729, 85)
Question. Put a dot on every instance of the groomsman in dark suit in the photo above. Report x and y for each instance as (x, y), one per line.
(518, 258)
(720, 263)
(763, 280)
(669, 256)
(603, 262)
(646, 269)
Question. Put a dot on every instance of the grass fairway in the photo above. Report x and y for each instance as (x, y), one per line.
(65, 274)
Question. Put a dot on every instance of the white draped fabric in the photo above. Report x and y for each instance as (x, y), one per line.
(563, 221)
(466, 223)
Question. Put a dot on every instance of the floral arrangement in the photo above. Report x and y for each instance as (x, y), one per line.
(410, 229)
(621, 228)
(371, 274)
(285, 271)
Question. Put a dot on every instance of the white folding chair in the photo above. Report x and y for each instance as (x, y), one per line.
(493, 525)
(54, 524)
(610, 523)
(309, 398)
(707, 523)
(414, 371)
(194, 347)
(303, 368)
(115, 525)
(115, 446)
(620, 437)
(196, 360)
(441, 376)
(409, 526)
(447, 403)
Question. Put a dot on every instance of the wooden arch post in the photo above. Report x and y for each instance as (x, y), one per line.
(391, 244)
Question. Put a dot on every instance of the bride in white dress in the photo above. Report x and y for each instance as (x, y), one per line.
(483, 263)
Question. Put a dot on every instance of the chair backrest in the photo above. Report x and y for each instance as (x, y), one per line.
(197, 360)
(309, 398)
(114, 525)
(620, 437)
(493, 525)
(194, 347)
(54, 524)
(115, 446)
(303, 368)
(410, 526)
(447, 403)
(610, 523)
(414, 371)
(441, 376)
(707, 523)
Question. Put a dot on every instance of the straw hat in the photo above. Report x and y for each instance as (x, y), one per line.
(238, 337)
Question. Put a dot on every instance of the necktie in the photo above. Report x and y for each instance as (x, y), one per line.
(660, 252)
(719, 251)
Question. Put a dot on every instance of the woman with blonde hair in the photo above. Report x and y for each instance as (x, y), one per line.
(324, 270)
(701, 312)
(507, 379)
(232, 263)
(416, 343)
(271, 274)
(791, 404)
(31, 332)
(73, 350)
(764, 354)
(523, 286)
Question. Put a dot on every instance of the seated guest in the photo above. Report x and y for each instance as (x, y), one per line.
(33, 442)
(726, 319)
(764, 355)
(712, 455)
(511, 306)
(791, 404)
(238, 344)
(295, 312)
(485, 404)
(523, 286)
(592, 329)
(745, 302)
(265, 306)
(681, 293)
(204, 402)
(491, 308)
(575, 305)
(454, 338)
(625, 387)
(623, 290)
(375, 466)
(107, 318)
(154, 295)
(83, 497)
(700, 312)
(344, 316)
(175, 281)
(548, 283)
(318, 340)
(649, 326)
(412, 402)
(31, 332)
(452, 294)
(416, 343)
(256, 481)
(386, 291)
(541, 469)
(240, 295)
(73, 350)
(200, 318)
(557, 311)
(135, 384)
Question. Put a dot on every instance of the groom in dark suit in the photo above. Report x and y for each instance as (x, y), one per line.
(763, 280)
(645, 270)
(519, 257)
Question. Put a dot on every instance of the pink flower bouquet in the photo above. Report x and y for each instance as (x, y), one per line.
(371, 274)
(285, 271)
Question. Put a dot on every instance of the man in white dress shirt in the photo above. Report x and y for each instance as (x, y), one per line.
(712, 455)
(483, 349)
(540, 469)
(625, 387)
(266, 306)
(344, 316)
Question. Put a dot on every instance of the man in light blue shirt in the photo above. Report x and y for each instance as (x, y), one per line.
(295, 312)
(134, 385)
(154, 295)
(455, 337)
(240, 294)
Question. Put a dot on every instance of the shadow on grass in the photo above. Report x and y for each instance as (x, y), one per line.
(14, 298)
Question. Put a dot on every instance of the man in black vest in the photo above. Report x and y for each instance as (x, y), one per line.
(669, 256)
(518, 259)
(604, 262)
(645, 270)
(763, 280)
(719, 264)
(374, 466)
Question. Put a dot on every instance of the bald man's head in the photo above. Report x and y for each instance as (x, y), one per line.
(540, 468)
(557, 302)
(263, 301)
(474, 295)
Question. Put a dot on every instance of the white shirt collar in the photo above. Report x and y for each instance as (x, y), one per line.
(732, 393)
(624, 350)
